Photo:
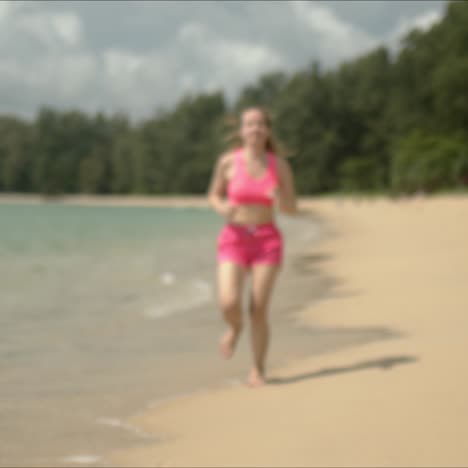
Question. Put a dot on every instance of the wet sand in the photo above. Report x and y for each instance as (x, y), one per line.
(103, 401)
(398, 265)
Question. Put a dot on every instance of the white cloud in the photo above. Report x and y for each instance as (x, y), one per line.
(231, 62)
(5, 8)
(422, 22)
(231, 54)
(339, 40)
(427, 20)
(68, 54)
(244, 56)
(191, 31)
(53, 30)
(9, 7)
(120, 63)
(68, 28)
(322, 20)
(76, 74)
(63, 77)
(132, 79)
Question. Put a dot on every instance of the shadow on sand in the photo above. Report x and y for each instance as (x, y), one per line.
(385, 363)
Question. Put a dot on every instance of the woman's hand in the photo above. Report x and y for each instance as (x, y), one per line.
(285, 194)
(274, 194)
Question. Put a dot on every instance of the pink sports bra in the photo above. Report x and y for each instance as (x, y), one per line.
(243, 189)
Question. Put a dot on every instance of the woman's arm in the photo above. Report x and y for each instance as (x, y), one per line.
(286, 193)
(217, 187)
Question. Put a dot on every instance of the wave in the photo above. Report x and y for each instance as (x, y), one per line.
(185, 297)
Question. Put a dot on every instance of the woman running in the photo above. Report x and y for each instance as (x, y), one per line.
(255, 179)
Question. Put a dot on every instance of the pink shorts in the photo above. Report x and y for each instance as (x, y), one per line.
(250, 244)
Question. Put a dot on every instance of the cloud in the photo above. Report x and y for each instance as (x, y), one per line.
(52, 29)
(423, 22)
(339, 40)
(68, 54)
(5, 8)
(230, 61)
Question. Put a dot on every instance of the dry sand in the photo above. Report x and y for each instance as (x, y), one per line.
(402, 265)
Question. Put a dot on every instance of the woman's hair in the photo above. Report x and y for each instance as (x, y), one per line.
(234, 140)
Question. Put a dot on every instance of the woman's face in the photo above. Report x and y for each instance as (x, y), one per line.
(254, 130)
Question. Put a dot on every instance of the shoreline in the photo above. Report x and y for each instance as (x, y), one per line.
(106, 200)
(351, 232)
(206, 369)
(187, 201)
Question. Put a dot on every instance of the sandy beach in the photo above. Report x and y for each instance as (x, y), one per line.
(400, 265)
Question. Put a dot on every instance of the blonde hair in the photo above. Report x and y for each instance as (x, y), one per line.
(234, 140)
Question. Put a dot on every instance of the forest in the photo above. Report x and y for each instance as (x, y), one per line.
(380, 123)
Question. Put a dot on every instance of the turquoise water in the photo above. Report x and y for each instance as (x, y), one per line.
(67, 256)
(81, 289)
(106, 310)
(98, 305)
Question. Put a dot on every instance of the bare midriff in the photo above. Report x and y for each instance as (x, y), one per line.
(253, 214)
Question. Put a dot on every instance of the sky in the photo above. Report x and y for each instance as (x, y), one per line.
(140, 56)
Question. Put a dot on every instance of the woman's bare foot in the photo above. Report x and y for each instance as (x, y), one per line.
(256, 378)
(228, 342)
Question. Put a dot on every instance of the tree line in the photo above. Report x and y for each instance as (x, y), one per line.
(379, 123)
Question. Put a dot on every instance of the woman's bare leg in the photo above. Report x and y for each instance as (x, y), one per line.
(230, 282)
(263, 280)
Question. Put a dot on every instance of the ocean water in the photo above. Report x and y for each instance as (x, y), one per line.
(88, 296)
(105, 311)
